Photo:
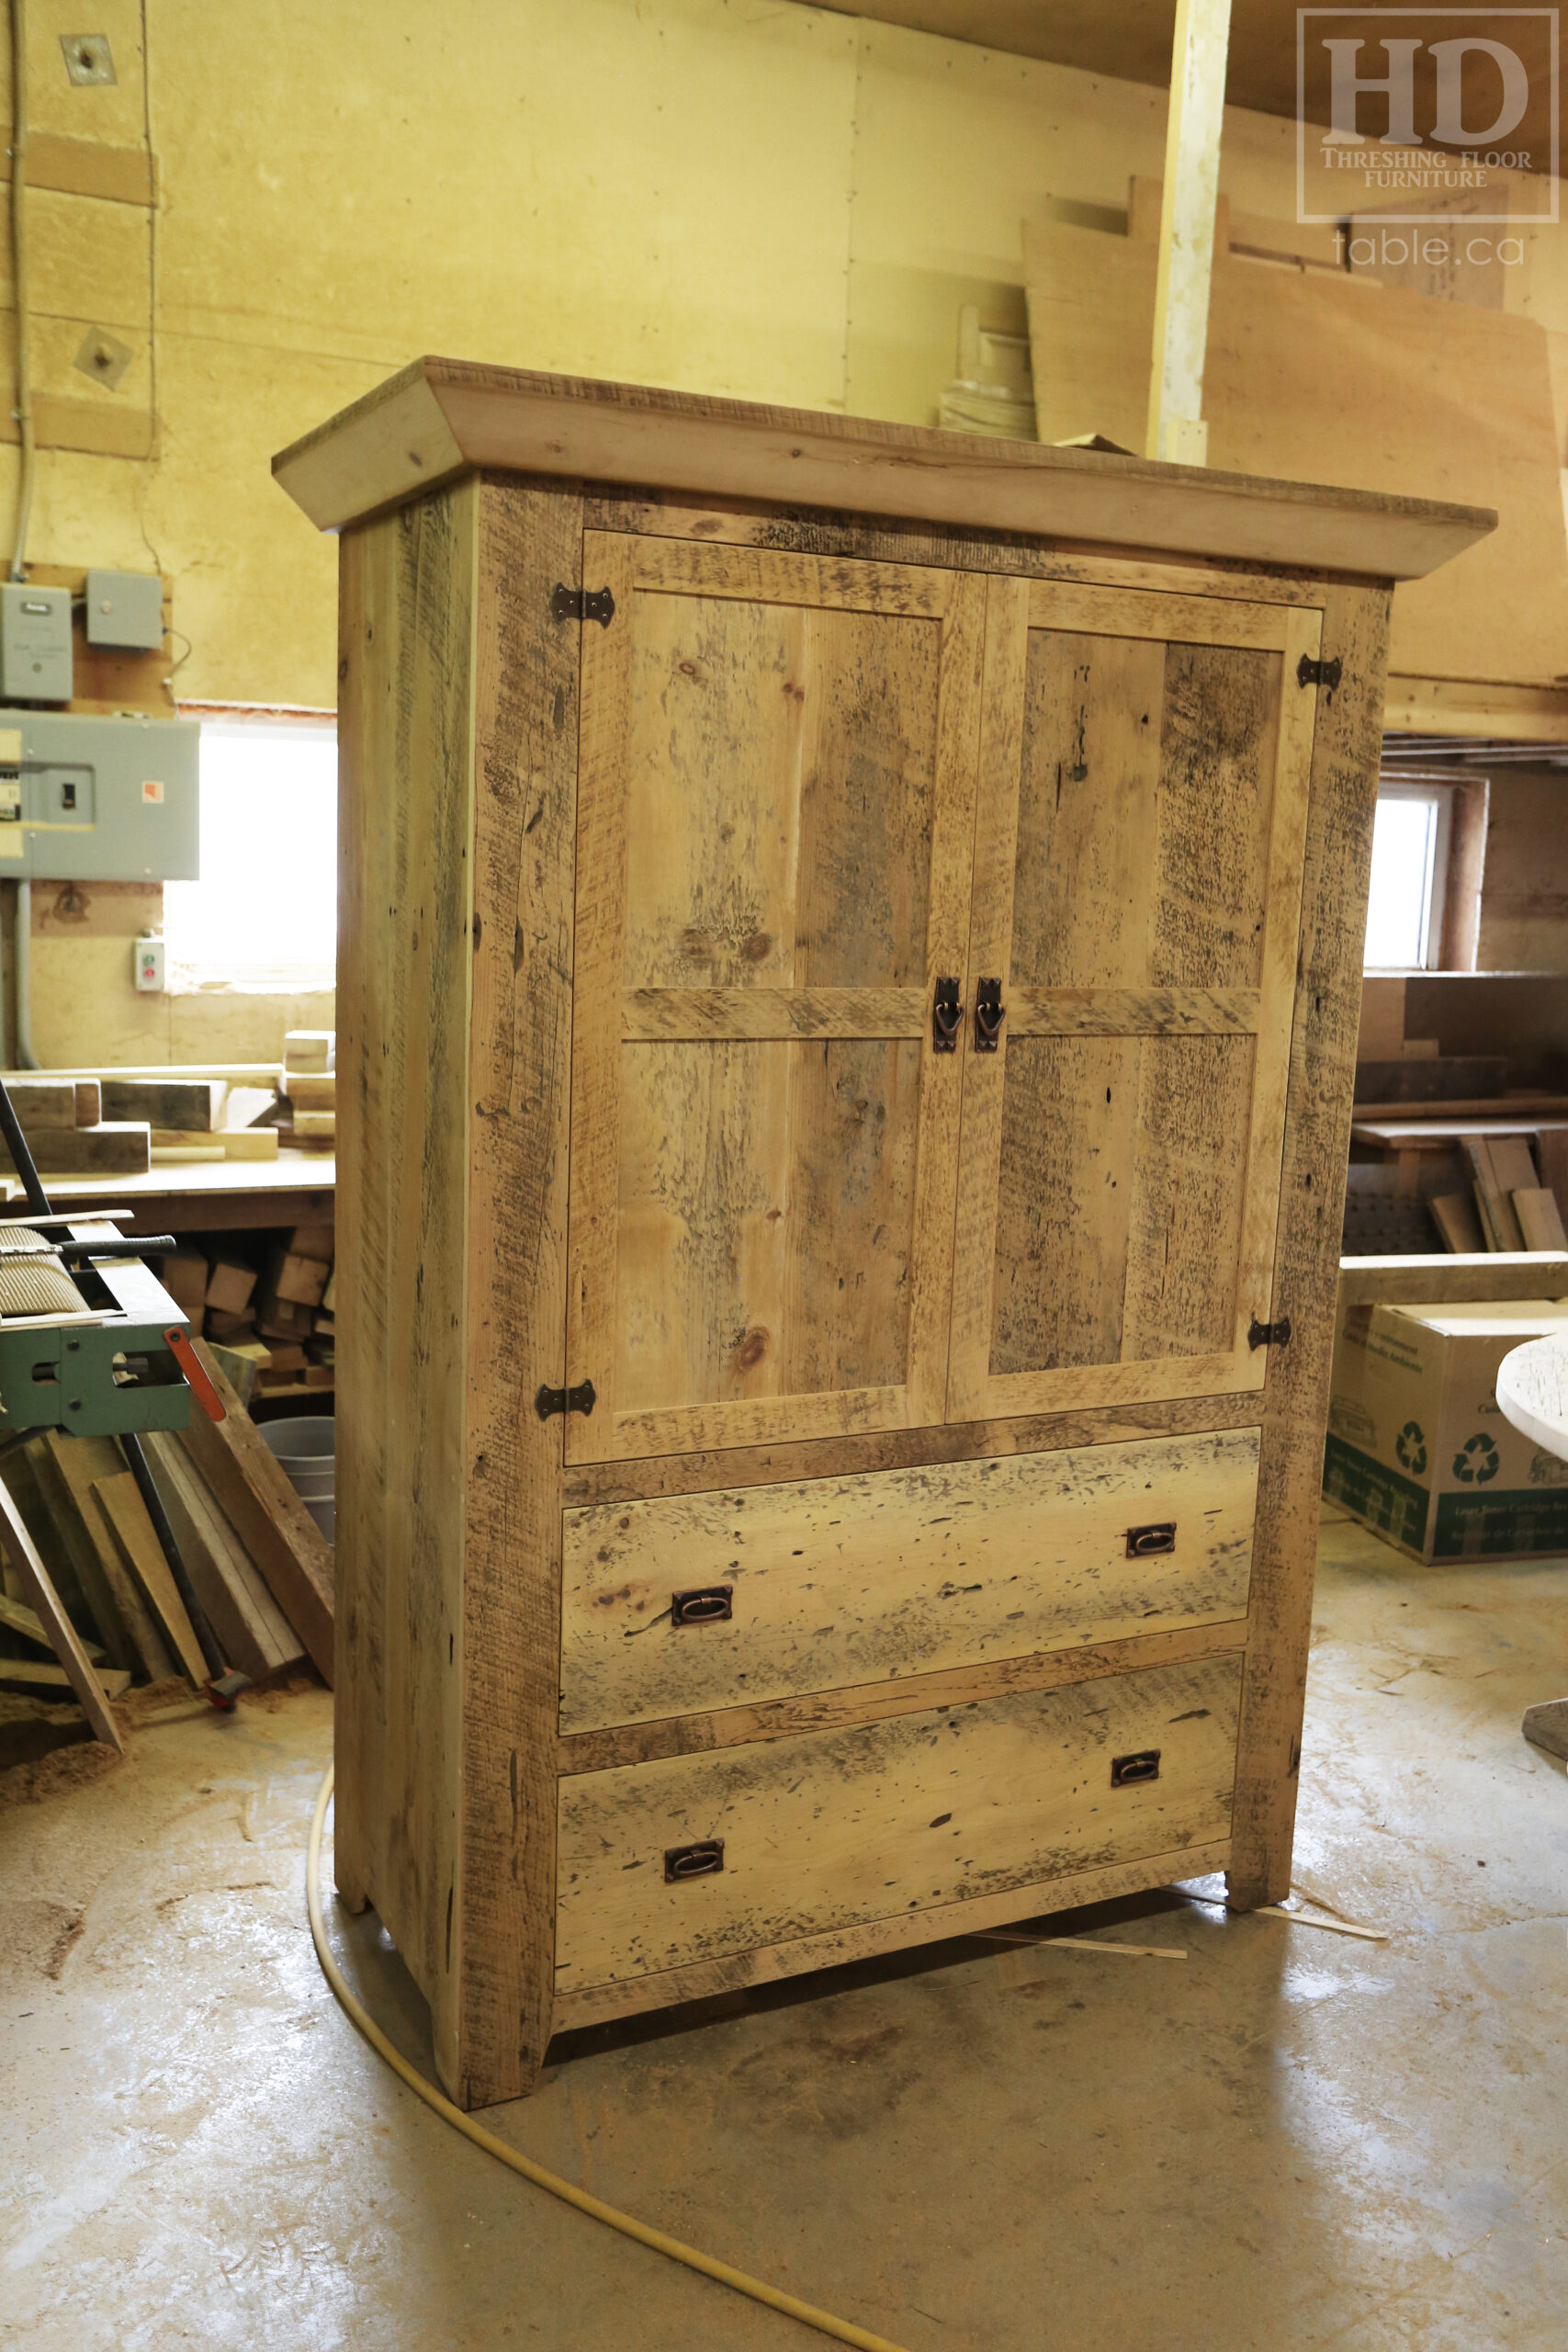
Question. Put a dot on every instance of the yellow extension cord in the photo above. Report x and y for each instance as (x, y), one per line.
(842, 2330)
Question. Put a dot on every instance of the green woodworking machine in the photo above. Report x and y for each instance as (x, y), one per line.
(90, 1340)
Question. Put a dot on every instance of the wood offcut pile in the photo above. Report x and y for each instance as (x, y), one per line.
(260, 1566)
(125, 1123)
(1509, 1206)
(266, 1304)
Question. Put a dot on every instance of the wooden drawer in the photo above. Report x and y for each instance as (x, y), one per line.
(834, 1829)
(839, 1581)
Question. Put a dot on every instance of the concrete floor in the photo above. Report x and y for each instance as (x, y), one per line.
(1290, 2140)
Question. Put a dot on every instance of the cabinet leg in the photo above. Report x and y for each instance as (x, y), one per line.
(1247, 1890)
(350, 1893)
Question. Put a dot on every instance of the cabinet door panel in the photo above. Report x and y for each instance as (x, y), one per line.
(1139, 900)
(775, 837)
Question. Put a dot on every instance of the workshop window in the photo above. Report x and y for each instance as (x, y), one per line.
(1410, 868)
(264, 914)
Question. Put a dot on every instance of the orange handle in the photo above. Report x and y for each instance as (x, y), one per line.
(195, 1370)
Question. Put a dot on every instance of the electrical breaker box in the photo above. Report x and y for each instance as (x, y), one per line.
(90, 799)
(35, 643)
(125, 609)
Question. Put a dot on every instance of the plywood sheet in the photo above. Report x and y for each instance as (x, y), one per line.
(1313, 377)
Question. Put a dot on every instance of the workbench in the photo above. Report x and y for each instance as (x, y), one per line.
(208, 1197)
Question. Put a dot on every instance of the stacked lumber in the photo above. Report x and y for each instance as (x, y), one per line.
(195, 1118)
(259, 1566)
(308, 1082)
(1509, 1207)
(72, 1131)
(267, 1303)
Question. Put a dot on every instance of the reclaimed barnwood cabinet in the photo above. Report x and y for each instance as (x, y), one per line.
(851, 955)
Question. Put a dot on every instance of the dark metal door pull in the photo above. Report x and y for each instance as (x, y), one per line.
(700, 1860)
(946, 1013)
(989, 1014)
(705, 1604)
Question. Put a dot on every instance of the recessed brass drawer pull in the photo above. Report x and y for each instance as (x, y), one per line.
(1126, 1771)
(1145, 1543)
(705, 1604)
(700, 1860)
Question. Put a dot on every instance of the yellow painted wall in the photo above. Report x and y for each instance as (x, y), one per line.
(745, 197)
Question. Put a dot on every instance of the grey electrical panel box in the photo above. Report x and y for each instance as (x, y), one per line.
(35, 643)
(87, 799)
(125, 609)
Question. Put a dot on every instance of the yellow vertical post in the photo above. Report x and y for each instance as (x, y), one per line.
(1176, 429)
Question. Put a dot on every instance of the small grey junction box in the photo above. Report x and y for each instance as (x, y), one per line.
(35, 643)
(97, 799)
(125, 608)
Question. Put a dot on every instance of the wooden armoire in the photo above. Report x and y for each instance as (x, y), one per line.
(847, 1003)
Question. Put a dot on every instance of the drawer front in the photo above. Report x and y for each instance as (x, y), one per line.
(830, 1582)
(834, 1829)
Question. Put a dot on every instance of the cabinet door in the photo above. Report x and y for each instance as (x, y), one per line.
(1137, 892)
(776, 804)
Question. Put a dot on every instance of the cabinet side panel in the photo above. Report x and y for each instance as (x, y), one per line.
(405, 731)
(524, 840)
(1312, 1203)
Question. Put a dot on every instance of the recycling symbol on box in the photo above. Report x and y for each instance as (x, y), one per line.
(1410, 1446)
(1476, 1460)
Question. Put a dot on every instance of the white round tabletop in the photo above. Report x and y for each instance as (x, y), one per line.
(1532, 1392)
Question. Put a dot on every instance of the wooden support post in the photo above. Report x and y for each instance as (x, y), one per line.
(1188, 203)
(43, 1599)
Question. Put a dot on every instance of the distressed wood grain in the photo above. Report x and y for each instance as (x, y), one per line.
(865, 1703)
(526, 755)
(837, 1948)
(737, 522)
(834, 1829)
(897, 1572)
(774, 1013)
(587, 1484)
(1133, 1012)
(774, 848)
(1326, 1014)
(404, 821)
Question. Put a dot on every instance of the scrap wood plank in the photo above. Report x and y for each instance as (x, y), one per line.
(35, 1674)
(1458, 1222)
(143, 1554)
(1498, 1222)
(255, 1633)
(1442, 1282)
(34, 1577)
(17, 1618)
(1312, 376)
(65, 1469)
(267, 1515)
(1540, 1221)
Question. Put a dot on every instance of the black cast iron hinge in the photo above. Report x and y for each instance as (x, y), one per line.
(1310, 673)
(582, 605)
(1269, 1335)
(580, 1399)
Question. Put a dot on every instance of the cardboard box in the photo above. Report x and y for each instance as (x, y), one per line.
(1417, 1448)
